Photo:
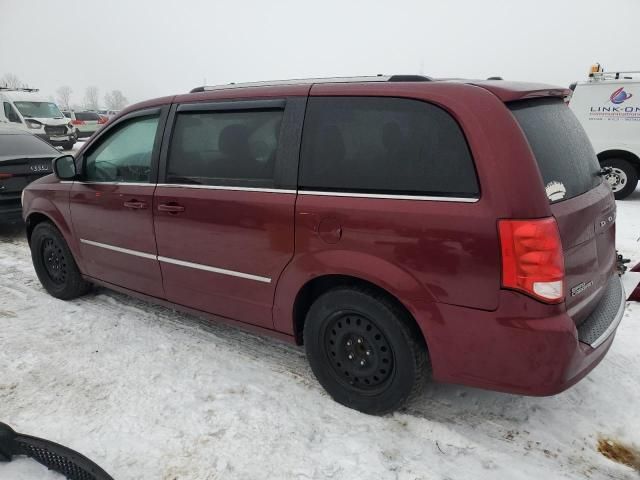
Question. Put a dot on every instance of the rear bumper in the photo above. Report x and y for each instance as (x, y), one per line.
(524, 347)
(84, 132)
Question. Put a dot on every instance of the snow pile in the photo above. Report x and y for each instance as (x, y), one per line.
(148, 393)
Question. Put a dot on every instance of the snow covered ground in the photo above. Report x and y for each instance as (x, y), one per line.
(148, 393)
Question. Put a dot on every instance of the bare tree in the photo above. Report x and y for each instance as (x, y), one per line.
(91, 98)
(64, 96)
(115, 100)
(10, 80)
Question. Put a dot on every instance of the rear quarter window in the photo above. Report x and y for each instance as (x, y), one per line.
(565, 157)
(384, 145)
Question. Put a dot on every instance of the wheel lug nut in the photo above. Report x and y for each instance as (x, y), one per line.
(350, 356)
(362, 362)
(349, 342)
(368, 352)
(359, 340)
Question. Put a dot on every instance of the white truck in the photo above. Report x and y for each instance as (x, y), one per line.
(608, 106)
(23, 108)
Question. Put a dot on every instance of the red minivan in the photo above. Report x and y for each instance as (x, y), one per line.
(402, 228)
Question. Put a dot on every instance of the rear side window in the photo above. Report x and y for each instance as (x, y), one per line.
(24, 145)
(225, 148)
(564, 154)
(384, 145)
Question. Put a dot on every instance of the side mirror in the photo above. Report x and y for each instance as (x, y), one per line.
(64, 167)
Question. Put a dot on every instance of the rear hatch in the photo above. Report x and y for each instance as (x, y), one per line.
(87, 121)
(581, 202)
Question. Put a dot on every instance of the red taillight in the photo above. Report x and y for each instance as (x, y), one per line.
(77, 122)
(532, 258)
(102, 119)
(5, 175)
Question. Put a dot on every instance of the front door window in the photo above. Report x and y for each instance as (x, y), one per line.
(125, 155)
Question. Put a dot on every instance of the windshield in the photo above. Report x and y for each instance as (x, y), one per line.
(39, 109)
(566, 159)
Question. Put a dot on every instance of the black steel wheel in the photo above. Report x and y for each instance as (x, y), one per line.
(54, 263)
(364, 349)
(358, 351)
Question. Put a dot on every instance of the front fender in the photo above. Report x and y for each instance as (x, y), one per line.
(54, 205)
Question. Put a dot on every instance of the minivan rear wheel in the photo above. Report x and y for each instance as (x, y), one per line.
(364, 350)
(54, 263)
(623, 178)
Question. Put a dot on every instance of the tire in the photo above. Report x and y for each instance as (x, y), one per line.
(54, 263)
(68, 145)
(623, 179)
(364, 350)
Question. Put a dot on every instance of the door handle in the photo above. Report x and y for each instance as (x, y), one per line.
(135, 205)
(170, 208)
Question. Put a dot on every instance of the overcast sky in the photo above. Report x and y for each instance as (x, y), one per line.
(152, 48)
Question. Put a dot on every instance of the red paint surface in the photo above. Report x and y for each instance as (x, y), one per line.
(247, 232)
(99, 214)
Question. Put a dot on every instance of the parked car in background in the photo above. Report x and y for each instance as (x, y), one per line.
(85, 123)
(23, 158)
(399, 227)
(108, 113)
(608, 107)
(25, 109)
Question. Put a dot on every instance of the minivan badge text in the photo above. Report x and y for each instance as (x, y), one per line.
(581, 287)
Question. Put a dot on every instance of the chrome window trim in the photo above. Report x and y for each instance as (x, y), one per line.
(388, 196)
(133, 184)
(135, 253)
(174, 261)
(228, 187)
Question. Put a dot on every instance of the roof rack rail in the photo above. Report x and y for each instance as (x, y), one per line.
(307, 81)
(615, 75)
(409, 78)
(18, 89)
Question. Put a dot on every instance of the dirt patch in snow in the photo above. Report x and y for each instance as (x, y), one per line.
(619, 452)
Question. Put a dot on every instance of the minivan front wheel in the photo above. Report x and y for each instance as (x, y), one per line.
(54, 263)
(623, 177)
(364, 350)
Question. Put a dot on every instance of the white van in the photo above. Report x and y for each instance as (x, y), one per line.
(608, 106)
(25, 109)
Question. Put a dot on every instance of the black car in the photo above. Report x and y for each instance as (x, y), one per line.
(23, 158)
